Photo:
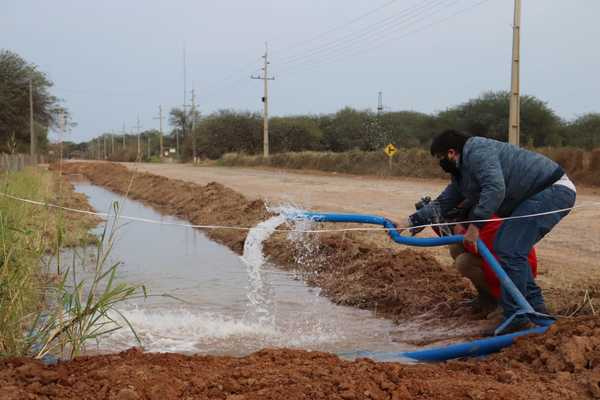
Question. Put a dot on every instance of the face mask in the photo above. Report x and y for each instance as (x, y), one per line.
(449, 166)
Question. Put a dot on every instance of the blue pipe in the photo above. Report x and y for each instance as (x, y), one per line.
(476, 347)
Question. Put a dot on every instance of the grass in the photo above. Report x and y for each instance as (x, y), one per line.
(52, 309)
(406, 162)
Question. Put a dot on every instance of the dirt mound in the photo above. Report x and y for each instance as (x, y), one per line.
(571, 346)
(351, 271)
(277, 374)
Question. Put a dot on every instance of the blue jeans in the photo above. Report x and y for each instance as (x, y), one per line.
(516, 238)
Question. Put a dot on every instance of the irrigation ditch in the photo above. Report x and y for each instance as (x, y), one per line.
(410, 287)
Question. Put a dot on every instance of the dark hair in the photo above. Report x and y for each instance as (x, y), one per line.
(449, 139)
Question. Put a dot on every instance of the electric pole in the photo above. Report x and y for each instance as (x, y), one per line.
(104, 148)
(515, 100)
(194, 154)
(31, 127)
(265, 78)
(124, 133)
(112, 143)
(160, 118)
(183, 116)
(138, 128)
(149, 150)
(380, 104)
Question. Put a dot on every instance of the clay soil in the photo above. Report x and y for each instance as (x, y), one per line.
(354, 269)
(563, 364)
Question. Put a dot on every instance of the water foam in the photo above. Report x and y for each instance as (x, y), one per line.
(184, 331)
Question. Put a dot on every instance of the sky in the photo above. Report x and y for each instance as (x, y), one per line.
(113, 60)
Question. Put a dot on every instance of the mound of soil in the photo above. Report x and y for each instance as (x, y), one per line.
(295, 374)
(395, 283)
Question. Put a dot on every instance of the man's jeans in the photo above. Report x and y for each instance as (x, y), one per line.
(516, 237)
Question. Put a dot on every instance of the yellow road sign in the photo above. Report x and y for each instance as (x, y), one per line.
(390, 150)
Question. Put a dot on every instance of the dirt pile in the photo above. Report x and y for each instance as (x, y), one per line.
(296, 374)
(395, 283)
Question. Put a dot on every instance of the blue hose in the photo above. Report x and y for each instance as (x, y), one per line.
(474, 348)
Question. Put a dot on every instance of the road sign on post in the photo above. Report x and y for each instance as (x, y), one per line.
(390, 150)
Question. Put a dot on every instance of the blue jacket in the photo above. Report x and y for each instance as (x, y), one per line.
(495, 177)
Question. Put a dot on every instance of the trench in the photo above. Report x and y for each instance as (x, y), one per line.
(228, 305)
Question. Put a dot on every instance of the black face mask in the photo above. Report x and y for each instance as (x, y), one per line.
(449, 166)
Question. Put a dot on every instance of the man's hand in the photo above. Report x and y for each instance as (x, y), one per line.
(402, 226)
(471, 236)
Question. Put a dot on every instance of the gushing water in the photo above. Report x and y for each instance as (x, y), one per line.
(253, 257)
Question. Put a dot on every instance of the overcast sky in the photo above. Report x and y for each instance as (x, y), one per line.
(111, 60)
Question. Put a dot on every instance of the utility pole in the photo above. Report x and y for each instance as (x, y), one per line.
(32, 149)
(124, 132)
(112, 143)
(160, 118)
(380, 104)
(149, 150)
(104, 152)
(184, 117)
(139, 143)
(514, 127)
(265, 78)
(194, 154)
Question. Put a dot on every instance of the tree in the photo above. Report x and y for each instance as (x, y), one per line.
(294, 134)
(15, 76)
(584, 131)
(229, 131)
(488, 114)
(346, 130)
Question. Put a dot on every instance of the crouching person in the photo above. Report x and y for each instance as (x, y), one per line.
(504, 180)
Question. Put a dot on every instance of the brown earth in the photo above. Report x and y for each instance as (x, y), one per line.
(562, 364)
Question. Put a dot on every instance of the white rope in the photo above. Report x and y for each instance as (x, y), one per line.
(244, 228)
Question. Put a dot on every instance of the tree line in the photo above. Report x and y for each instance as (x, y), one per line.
(228, 131)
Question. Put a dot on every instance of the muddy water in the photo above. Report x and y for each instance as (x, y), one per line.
(230, 307)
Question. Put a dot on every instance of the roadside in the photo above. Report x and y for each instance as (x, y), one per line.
(28, 235)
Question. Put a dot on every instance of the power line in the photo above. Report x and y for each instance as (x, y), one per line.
(336, 28)
(383, 41)
(375, 28)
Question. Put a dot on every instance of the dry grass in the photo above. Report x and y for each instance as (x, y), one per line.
(581, 166)
(406, 162)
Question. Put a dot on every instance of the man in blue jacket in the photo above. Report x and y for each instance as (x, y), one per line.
(503, 179)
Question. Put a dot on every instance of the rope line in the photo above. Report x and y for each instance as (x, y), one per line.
(292, 217)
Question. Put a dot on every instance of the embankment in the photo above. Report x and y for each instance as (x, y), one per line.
(28, 234)
(564, 364)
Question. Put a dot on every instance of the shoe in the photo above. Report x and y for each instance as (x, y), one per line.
(482, 304)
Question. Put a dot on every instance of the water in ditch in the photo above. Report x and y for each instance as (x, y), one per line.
(232, 305)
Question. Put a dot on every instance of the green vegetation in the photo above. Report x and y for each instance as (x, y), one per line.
(45, 306)
(15, 76)
(229, 131)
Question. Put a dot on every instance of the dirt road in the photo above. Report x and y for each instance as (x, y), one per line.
(568, 256)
